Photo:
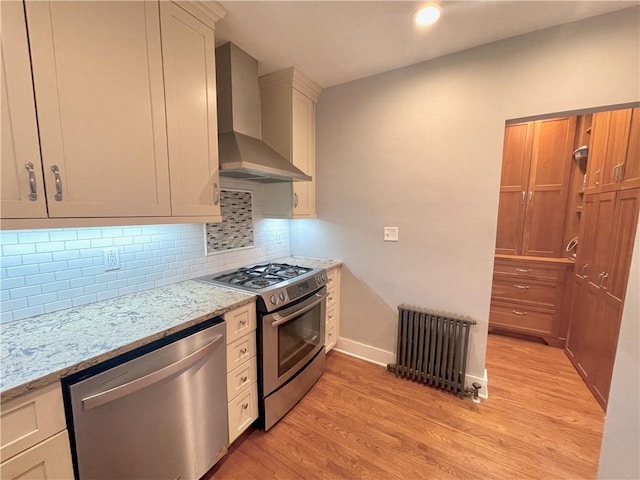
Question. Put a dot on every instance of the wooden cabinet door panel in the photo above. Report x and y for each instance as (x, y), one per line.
(20, 145)
(605, 354)
(621, 246)
(597, 151)
(516, 160)
(631, 168)
(616, 151)
(97, 70)
(188, 50)
(602, 252)
(575, 335)
(510, 220)
(548, 187)
(585, 255)
(589, 321)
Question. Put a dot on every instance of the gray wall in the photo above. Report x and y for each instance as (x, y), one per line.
(420, 148)
(621, 441)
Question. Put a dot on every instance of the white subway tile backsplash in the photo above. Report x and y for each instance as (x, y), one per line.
(68, 270)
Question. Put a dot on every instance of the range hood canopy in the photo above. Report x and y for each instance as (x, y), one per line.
(242, 153)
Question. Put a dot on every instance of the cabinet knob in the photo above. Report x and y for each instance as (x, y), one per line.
(244, 379)
(243, 351)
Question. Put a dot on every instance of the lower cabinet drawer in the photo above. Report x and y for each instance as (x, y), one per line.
(241, 378)
(240, 351)
(330, 336)
(541, 271)
(524, 318)
(332, 297)
(50, 459)
(544, 294)
(243, 411)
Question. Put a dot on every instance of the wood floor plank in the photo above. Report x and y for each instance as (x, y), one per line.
(361, 422)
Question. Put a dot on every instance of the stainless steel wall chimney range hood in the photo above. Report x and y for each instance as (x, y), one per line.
(242, 153)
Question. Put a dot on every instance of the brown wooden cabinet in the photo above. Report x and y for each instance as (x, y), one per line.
(630, 171)
(608, 154)
(528, 297)
(602, 268)
(534, 186)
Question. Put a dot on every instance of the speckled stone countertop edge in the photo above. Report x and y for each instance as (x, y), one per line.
(309, 261)
(55, 376)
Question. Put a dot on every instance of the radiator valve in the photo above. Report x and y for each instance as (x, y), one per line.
(474, 392)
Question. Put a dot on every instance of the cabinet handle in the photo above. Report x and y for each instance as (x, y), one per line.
(523, 270)
(33, 188)
(584, 267)
(295, 200)
(597, 174)
(243, 322)
(244, 379)
(56, 173)
(531, 196)
(600, 279)
(245, 406)
(524, 196)
(620, 172)
(522, 287)
(243, 351)
(216, 194)
(517, 312)
(605, 276)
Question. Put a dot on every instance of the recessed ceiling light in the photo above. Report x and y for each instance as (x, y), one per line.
(427, 15)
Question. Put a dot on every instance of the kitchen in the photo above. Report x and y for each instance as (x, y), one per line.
(437, 258)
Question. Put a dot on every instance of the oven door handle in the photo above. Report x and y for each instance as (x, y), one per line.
(280, 320)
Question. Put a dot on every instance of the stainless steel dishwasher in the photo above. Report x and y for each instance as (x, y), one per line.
(158, 412)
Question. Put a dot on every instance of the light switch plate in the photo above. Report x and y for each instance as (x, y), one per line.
(390, 234)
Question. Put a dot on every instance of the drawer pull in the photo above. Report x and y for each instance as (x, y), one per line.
(244, 379)
(521, 287)
(517, 312)
(243, 351)
(245, 406)
(243, 322)
(523, 270)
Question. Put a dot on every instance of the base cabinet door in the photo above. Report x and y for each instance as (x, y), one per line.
(50, 460)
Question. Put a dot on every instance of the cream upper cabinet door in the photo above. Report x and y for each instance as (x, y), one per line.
(303, 149)
(97, 69)
(188, 49)
(22, 190)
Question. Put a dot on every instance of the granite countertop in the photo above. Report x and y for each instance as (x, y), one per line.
(40, 350)
(309, 262)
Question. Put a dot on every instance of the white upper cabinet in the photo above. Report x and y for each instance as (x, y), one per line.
(22, 189)
(97, 69)
(289, 126)
(188, 49)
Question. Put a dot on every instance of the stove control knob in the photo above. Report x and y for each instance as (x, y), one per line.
(274, 299)
(318, 280)
(324, 277)
(283, 297)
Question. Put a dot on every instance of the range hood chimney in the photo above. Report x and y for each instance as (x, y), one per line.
(242, 153)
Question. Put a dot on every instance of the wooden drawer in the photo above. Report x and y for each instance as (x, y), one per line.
(332, 314)
(241, 378)
(49, 460)
(532, 292)
(240, 351)
(332, 297)
(524, 270)
(333, 277)
(330, 336)
(30, 419)
(524, 318)
(240, 321)
(243, 410)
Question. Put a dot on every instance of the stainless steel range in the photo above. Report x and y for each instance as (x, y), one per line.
(291, 311)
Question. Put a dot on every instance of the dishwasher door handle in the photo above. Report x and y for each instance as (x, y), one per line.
(139, 383)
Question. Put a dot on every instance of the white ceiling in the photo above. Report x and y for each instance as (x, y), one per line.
(338, 41)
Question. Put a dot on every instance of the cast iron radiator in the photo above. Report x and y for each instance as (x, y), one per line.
(432, 348)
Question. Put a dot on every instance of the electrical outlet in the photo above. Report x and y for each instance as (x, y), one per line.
(278, 237)
(390, 234)
(111, 259)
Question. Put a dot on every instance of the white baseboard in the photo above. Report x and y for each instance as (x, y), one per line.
(365, 352)
(383, 357)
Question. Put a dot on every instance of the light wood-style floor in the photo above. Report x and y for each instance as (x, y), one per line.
(359, 421)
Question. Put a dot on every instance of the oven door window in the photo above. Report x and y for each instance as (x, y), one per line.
(297, 338)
